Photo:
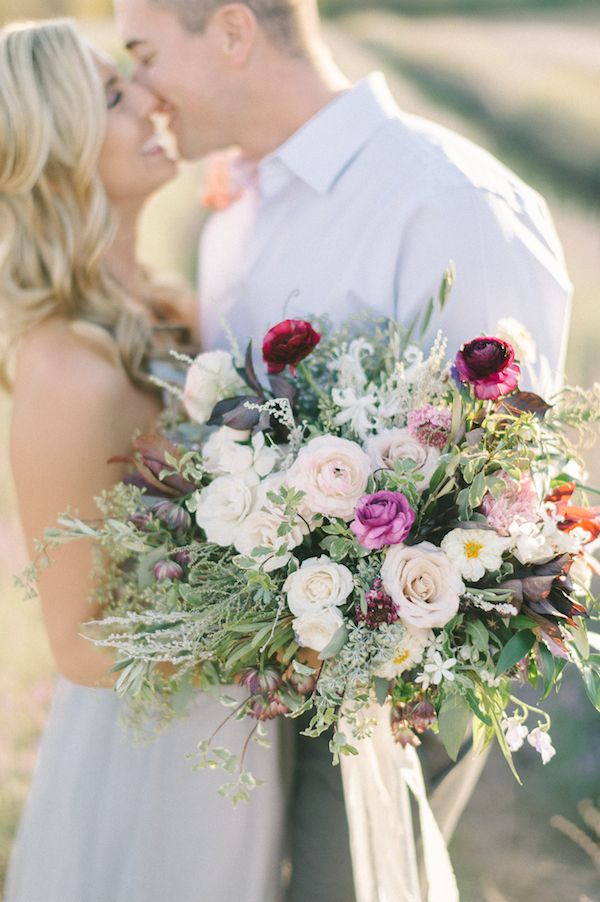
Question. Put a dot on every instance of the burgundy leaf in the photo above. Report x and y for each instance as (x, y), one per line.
(526, 402)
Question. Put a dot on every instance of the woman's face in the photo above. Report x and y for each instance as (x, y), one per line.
(133, 162)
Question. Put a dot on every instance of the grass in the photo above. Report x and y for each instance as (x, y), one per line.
(525, 102)
(505, 849)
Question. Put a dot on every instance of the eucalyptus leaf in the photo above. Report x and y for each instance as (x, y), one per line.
(381, 689)
(453, 721)
(548, 668)
(515, 649)
(337, 643)
(479, 634)
(477, 490)
(591, 681)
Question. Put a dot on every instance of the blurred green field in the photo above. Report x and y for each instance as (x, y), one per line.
(537, 108)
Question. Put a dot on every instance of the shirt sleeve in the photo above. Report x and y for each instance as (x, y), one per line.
(508, 263)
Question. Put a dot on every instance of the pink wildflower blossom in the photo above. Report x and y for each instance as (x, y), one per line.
(430, 425)
(518, 501)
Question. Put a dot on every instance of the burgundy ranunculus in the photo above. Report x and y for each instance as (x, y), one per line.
(488, 364)
(384, 518)
(287, 343)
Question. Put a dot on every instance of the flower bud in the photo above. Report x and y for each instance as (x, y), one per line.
(173, 515)
(267, 707)
(260, 681)
(167, 570)
(183, 557)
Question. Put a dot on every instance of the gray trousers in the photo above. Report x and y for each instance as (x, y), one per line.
(321, 866)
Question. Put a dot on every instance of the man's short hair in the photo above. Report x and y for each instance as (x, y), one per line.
(286, 22)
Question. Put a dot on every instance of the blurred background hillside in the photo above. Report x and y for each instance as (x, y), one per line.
(521, 78)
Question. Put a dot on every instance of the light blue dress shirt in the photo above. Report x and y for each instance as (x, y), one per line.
(364, 207)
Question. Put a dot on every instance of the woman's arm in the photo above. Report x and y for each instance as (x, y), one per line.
(73, 410)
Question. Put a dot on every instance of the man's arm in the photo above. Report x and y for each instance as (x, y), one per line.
(508, 263)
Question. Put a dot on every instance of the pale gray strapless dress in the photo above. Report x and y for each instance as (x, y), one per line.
(111, 821)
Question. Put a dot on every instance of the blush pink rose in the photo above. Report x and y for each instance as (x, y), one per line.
(333, 473)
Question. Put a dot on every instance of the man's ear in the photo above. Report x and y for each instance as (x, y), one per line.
(236, 29)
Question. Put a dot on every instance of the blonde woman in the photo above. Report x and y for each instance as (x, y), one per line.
(107, 821)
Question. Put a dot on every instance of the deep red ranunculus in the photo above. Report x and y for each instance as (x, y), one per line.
(287, 343)
(488, 364)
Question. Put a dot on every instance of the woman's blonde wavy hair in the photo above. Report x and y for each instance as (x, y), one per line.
(56, 223)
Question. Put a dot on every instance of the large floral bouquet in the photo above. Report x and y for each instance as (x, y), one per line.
(364, 523)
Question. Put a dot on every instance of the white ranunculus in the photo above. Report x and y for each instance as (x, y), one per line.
(529, 543)
(221, 507)
(423, 583)
(264, 456)
(318, 584)
(333, 473)
(316, 630)
(224, 455)
(581, 574)
(474, 551)
(260, 529)
(211, 378)
(391, 445)
(407, 653)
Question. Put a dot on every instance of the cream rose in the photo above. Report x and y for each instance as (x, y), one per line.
(316, 630)
(423, 583)
(318, 584)
(333, 473)
(211, 378)
(260, 529)
(391, 445)
(221, 507)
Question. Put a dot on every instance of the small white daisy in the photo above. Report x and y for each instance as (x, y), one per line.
(436, 670)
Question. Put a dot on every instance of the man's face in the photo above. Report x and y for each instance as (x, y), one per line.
(183, 69)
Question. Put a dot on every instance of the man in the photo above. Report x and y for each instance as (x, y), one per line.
(349, 204)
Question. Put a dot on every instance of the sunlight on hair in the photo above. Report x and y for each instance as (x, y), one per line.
(56, 223)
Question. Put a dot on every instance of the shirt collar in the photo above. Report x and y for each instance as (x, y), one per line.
(322, 148)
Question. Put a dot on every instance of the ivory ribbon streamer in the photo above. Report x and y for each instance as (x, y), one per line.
(376, 789)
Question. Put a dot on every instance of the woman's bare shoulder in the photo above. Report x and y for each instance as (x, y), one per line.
(60, 353)
(66, 381)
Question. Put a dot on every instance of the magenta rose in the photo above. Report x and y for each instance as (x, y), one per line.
(287, 343)
(488, 364)
(384, 518)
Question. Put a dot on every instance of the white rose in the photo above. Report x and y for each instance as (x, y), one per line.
(223, 455)
(407, 653)
(260, 529)
(333, 472)
(211, 378)
(398, 444)
(316, 630)
(423, 584)
(318, 584)
(264, 456)
(221, 507)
